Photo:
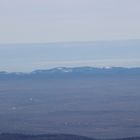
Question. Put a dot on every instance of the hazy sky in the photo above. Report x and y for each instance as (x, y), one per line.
(43, 21)
(68, 20)
(28, 57)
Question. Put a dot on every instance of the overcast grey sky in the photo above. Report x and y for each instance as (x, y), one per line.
(68, 20)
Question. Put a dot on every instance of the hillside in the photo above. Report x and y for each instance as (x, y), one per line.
(42, 137)
(53, 137)
(93, 102)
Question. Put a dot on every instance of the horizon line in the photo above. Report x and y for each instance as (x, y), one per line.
(63, 42)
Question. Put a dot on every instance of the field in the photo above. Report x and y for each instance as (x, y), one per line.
(100, 107)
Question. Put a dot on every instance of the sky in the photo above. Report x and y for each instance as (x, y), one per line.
(95, 24)
(30, 21)
(30, 57)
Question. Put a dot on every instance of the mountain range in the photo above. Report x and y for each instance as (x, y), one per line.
(75, 71)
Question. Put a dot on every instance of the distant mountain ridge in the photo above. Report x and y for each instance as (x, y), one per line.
(75, 71)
